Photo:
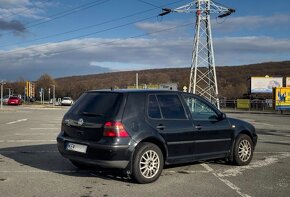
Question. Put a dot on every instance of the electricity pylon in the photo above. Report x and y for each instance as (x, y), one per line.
(203, 79)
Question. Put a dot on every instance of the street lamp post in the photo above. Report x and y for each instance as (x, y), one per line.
(2, 84)
(53, 94)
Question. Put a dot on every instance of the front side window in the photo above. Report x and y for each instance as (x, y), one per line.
(199, 109)
(171, 107)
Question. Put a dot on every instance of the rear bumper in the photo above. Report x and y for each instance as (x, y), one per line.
(106, 156)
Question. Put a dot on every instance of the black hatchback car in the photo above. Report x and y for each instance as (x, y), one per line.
(140, 131)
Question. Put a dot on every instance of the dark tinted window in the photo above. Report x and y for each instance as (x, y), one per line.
(97, 103)
(171, 107)
(153, 107)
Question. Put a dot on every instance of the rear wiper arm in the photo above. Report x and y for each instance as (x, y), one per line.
(91, 114)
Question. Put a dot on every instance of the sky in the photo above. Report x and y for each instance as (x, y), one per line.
(79, 37)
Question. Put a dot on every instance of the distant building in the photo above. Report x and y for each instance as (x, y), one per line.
(168, 86)
(163, 86)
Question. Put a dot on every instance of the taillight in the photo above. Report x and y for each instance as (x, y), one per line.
(115, 129)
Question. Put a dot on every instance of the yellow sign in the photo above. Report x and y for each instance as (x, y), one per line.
(282, 98)
(27, 88)
(243, 103)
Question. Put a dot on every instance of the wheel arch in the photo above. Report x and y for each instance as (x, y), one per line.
(245, 132)
(158, 143)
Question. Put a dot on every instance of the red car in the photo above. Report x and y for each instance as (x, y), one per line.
(14, 100)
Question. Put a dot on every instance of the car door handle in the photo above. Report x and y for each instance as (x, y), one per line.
(160, 127)
(198, 127)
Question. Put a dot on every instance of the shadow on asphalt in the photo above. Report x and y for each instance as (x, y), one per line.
(47, 158)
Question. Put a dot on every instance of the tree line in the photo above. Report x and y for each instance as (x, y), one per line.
(233, 81)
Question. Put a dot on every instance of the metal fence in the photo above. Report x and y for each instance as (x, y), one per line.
(252, 105)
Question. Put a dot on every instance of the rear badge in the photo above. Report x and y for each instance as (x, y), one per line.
(80, 122)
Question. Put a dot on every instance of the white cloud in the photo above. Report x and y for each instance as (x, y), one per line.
(233, 23)
(13, 9)
(94, 55)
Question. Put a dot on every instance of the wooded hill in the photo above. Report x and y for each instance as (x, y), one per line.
(233, 81)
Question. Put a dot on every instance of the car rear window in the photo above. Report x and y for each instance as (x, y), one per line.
(97, 104)
(13, 97)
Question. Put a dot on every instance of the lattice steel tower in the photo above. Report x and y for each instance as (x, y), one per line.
(203, 79)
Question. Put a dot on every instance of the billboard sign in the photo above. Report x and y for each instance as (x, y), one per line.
(282, 98)
(265, 84)
(287, 81)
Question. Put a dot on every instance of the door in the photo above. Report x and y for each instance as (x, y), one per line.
(168, 116)
(213, 134)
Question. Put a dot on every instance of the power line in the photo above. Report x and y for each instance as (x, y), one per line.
(83, 28)
(108, 43)
(64, 13)
(95, 25)
(151, 4)
(23, 11)
(69, 12)
(86, 35)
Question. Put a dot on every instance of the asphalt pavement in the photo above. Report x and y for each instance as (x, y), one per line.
(30, 164)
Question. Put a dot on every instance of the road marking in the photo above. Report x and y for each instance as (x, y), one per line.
(225, 181)
(261, 123)
(44, 171)
(254, 164)
(44, 128)
(17, 121)
(29, 134)
(8, 141)
(37, 151)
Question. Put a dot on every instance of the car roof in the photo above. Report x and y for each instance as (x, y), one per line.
(133, 90)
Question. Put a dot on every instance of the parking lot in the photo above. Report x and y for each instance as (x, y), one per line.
(30, 164)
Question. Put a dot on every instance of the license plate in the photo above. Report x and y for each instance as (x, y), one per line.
(76, 147)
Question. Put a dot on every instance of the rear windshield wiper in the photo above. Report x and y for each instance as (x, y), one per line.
(91, 114)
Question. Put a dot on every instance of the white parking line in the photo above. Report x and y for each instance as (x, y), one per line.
(44, 128)
(29, 134)
(21, 120)
(39, 171)
(39, 151)
(9, 141)
(269, 160)
(225, 181)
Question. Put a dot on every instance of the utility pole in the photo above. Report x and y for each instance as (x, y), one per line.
(53, 94)
(2, 84)
(137, 81)
(203, 79)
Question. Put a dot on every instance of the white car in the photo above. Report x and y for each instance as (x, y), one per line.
(5, 100)
(67, 101)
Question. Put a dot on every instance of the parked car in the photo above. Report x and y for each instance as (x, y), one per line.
(140, 131)
(5, 99)
(67, 101)
(14, 100)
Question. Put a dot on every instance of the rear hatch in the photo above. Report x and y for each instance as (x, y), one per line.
(86, 119)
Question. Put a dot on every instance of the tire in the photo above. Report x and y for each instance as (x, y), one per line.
(147, 163)
(243, 150)
(81, 165)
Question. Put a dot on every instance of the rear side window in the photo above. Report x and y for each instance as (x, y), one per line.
(153, 107)
(171, 107)
(97, 104)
